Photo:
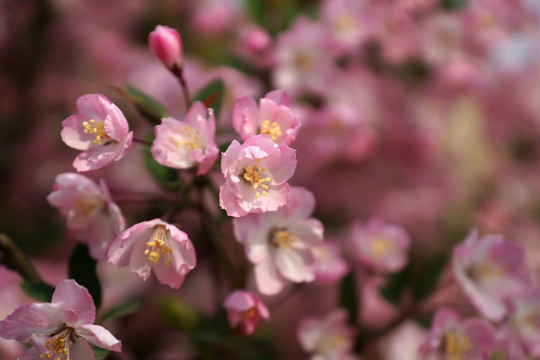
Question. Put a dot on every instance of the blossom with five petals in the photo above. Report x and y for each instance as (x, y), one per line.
(184, 144)
(100, 129)
(256, 175)
(92, 217)
(158, 246)
(61, 329)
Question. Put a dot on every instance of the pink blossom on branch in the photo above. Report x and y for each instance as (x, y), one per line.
(281, 244)
(154, 246)
(256, 175)
(59, 330)
(450, 338)
(273, 117)
(166, 45)
(99, 129)
(329, 338)
(490, 270)
(380, 246)
(92, 217)
(245, 310)
(184, 144)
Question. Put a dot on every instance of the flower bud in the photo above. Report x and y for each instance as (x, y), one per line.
(166, 45)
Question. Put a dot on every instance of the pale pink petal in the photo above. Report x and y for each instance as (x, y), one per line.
(230, 156)
(229, 202)
(269, 282)
(280, 97)
(296, 265)
(97, 157)
(99, 336)
(93, 105)
(138, 261)
(71, 296)
(73, 134)
(245, 117)
(80, 350)
(37, 318)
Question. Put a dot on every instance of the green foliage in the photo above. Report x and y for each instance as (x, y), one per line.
(452, 5)
(348, 298)
(427, 275)
(395, 284)
(82, 269)
(38, 290)
(147, 106)
(165, 176)
(121, 310)
(212, 95)
(178, 314)
(99, 353)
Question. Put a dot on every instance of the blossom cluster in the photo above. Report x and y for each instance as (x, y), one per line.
(311, 199)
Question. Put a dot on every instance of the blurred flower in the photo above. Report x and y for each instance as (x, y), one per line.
(166, 44)
(490, 270)
(281, 243)
(155, 245)
(92, 217)
(183, 144)
(451, 339)
(329, 265)
(380, 246)
(520, 335)
(256, 175)
(329, 338)
(273, 117)
(245, 309)
(100, 129)
(60, 329)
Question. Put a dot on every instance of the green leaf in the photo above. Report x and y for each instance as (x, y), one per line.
(82, 269)
(147, 106)
(165, 176)
(212, 95)
(452, 5)
(121, 310)
(393, 289)
(38, 290)
(256, 9)
(178, 314)
(428, 276)
(99, 353)
(348, 298)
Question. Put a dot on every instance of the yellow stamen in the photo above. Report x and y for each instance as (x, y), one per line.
(283, 239)
(456, 345)
(252, 174)
(187, 137)
(249, 313)
(58, 345)
(158, 246)
(380, 247)
(98, 128)
(271, 129)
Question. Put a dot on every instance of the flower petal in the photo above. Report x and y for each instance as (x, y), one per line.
(99, 336)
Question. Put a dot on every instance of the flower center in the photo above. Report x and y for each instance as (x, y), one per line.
(456, 344)
(271, 129)
(157, 246)
(380, 246)
(282, 238)
(249, 314)
(96, 127)
(57, 346)
(188, 138)
(86, 205)
(330, 343)
(345, 22)
(252, 174)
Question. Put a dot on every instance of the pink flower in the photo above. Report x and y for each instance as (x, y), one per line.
(490, 270)
(381, 246)
(281, 244)
(166, 45)
(450, 339)
(520, 335)
(92, 217)
(184, 144)
(273, 117)
(100, 129)
(256, 175)
(61, 329)
(328, 338)
(329, 265)
(245, 309)
(154, 245)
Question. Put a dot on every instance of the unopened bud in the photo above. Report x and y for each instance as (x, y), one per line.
(166, 45)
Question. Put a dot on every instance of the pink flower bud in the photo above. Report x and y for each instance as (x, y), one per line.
(166, 45)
